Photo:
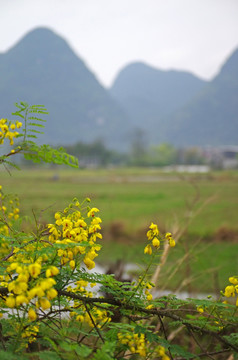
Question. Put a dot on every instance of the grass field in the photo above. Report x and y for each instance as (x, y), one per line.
(129, 199)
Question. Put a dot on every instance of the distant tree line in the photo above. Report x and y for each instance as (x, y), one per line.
(96, 154)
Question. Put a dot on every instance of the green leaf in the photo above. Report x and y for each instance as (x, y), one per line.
(17, 113)
(111, 334)
(180, 351)
(32, 136)
(7, 355)
(35, 124)
(83, 350)
(232, 338)
(4, 161)
(48, 355)
(106, 352)
(54, 346)
(35, 131)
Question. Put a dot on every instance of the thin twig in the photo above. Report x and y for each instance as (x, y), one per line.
(94, 324)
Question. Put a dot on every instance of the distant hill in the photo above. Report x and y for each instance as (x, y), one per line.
(164, 106)
(148, 94)
(211, 118)
(43, 69)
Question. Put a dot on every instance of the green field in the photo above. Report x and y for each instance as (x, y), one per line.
(129, 199)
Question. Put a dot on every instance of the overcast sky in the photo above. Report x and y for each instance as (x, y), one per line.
(193, 35)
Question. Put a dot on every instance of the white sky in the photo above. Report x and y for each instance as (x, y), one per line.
(193, 35)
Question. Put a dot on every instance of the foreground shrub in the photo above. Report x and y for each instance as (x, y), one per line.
(53, 306)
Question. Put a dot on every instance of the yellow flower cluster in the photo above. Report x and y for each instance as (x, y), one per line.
(160, 351)
(98, 316)
(153, 236)
(30, 281)
(171, 241)
(232, 290)
(29, 288)
(137, 344)
(8, 206)
(147, 286)
(149, 296)
(9, 210)
(78, 233)
(81, 288)
(30, 333)
(5, 130)
(200, 309)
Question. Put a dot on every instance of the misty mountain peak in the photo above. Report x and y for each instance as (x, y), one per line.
(42, 46)
(230, 67)
(167, 105)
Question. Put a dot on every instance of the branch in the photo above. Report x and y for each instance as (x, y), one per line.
(206, 354)
(156, 312)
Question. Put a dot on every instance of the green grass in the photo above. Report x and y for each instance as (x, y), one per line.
(132, 198)
(206, 269)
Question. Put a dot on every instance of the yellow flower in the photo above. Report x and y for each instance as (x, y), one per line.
(44, 303)
(230, 291)
(32, 314)
(21, 299)
(149, 285)
(19, 269)
(148, 249)
(80, 318)
(17, 287)
(18, 124)
(34, 269)
(92, 212)
(154, 228)
(156, 243)
(23, 277)
(70, 255)
(52, 270)
(172, 242)
(67, 224)
(47, 283)
(13, 266)
(60, 253)
(82, 283)
(53, 230)
(80, 223)
(10, 301)
(233, 280)
(51, 294)
(89, 263)
(92, 254)
(37, 291)
(57, 216)
(32, 293)
(200, 309)
(72, 264)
